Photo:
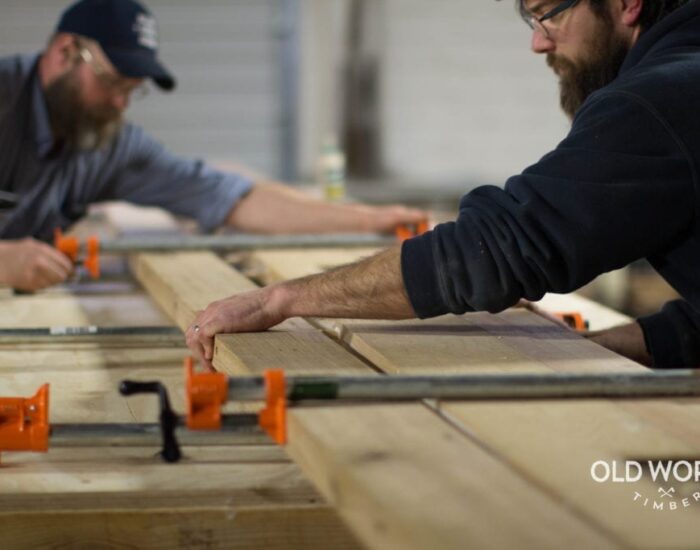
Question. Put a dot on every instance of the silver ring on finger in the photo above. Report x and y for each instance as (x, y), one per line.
(196, 328)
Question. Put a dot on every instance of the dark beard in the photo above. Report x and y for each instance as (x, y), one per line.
(578, 80)
(75, 125)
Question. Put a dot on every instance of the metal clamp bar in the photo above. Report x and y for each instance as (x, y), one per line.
(236, 429)
(473, 386)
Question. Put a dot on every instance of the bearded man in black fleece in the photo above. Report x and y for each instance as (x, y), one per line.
(623, 185)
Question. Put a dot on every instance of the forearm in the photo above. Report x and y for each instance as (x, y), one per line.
(277, 208)
(625, 340)
(371, 289)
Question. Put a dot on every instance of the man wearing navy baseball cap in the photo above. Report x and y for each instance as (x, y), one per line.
(126, 32)
(65, 145)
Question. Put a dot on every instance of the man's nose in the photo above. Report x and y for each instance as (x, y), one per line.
(541, 43)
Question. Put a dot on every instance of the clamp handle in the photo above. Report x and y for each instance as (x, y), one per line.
(205, 393)
(24, 422)
(408, 231)
(168, 419)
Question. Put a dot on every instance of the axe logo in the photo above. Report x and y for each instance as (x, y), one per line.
(658, 472)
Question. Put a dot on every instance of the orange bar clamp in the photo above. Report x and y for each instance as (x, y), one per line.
(273, 418)
(205, 393)
(408, 231)
(24, 422)
(70, 246)
(574, 320)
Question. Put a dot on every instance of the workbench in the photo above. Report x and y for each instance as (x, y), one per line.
(491, 474)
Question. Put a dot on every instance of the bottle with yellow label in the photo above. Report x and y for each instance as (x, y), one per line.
(331, 171)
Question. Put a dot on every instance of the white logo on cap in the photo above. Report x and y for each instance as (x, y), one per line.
(145, 28)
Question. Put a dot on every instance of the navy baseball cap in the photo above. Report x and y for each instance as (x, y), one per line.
(126, 32)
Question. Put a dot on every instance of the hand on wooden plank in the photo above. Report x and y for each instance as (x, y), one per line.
(30, 265)
(369, 289)
(247, 312)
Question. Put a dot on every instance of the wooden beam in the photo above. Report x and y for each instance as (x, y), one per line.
(184, 283)
(402, 477)
(554, 443)
(234, 497)
(557, 443)
(513, 341)
(226, 526)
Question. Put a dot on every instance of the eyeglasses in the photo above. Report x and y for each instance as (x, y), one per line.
(113, 84)
(538, 23)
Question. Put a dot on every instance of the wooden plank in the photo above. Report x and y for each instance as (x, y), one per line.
(223, 498)
(557, 443)
(330, 443)
(184, 283)
(513, 341)
(552, 443)
(403, 478)
(365, 492)
(344, 450)
(399, 347)
(218, 497)
(300, 351)
(225, 527)
(557, 348)
(59, 308)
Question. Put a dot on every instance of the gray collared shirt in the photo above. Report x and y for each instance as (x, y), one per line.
(55, 188)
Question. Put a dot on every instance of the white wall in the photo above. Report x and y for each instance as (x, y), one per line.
(464, 96)
(322, 40)
(464, 99)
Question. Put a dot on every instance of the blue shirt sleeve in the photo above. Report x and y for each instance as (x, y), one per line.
(139, 170)
(618, 188)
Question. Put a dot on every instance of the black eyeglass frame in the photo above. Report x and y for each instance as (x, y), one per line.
(537, 22)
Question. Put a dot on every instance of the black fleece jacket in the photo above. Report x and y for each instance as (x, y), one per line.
(623, 185)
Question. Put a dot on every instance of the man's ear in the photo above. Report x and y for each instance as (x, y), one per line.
(631, 10)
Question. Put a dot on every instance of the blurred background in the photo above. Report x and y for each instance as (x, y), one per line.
(426, 98)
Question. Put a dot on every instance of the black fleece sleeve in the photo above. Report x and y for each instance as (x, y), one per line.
(672, 336)
(618, 188)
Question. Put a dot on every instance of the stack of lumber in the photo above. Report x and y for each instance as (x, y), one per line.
(218, 497)
(455, 475)
(426, 475)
